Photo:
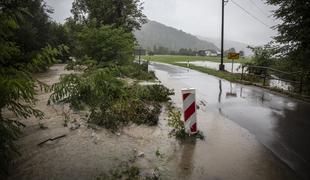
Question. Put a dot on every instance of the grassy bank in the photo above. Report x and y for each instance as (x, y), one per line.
(221, 74)
(178, 58)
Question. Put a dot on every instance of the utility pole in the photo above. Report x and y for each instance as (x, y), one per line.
(222, 66)
(140, 55)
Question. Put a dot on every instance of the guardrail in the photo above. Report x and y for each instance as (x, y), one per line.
(267, 73)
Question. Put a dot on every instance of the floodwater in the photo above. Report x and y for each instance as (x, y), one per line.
(243, 134)
(279, 123)
(236, 68)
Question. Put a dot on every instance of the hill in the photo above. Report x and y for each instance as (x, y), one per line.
(157, 34)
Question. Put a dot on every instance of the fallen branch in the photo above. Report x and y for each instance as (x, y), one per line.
(52, 139)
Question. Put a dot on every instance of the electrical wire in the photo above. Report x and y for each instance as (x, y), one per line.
(246, 11)
(259, 8)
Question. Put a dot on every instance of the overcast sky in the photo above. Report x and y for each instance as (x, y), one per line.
(202, 17)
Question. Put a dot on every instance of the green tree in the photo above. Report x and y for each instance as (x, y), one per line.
(241, 53)
(263, 56)
(230, 50)
(294, 30)
(106, 44)
(126, 13)
(21, 53)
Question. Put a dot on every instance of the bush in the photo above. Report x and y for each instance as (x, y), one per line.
(158, 93)
(174, 121)
(124, 111)
(111, 103)
(137, 71)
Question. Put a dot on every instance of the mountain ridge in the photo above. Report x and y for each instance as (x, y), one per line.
(157, 34)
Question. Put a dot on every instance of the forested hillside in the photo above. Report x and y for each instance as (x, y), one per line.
(156, 34)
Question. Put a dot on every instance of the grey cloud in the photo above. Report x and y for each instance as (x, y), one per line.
(202, 17)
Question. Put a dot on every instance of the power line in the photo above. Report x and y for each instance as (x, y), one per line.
(246, 11)
(259, 8)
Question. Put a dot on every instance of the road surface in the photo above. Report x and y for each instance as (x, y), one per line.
(280, 124)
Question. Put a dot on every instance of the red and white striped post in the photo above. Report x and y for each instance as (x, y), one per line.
(189, 109)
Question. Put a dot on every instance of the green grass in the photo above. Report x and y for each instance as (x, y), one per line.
(174, 59)
(221, 74)
(178, 58)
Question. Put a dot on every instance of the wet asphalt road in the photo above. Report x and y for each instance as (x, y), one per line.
(280, 123)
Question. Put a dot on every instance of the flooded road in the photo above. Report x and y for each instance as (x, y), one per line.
(238, 122)
(281, 124)
(237, 68)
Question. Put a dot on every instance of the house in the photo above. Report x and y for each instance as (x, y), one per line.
(201, 53)
(211, 53)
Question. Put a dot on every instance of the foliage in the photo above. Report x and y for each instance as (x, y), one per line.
(230, 50)
(294, 30)
(124, 111)
(174, 121)
(126, 14)
(136, 71)
(46, 57)
(110, 102)
(92, 89)
(158, 93)
(263, 56)
(106, 44)
(24, 49)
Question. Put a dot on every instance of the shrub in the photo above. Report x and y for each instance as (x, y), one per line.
(137, 71)
(174, 121)
(110, 102)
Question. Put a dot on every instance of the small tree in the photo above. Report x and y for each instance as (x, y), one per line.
(241, 53)
(106, 44)
(263, 56)
(126, 14)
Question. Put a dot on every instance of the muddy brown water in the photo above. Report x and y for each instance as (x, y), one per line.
(228, 152)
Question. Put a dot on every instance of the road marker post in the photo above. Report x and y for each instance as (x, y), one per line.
(189, 110)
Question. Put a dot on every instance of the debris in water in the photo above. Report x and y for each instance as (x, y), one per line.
(75, 126)
(52, 139)
(140, 154)
(155, 173)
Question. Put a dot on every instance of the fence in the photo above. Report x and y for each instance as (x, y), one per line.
(266, 73)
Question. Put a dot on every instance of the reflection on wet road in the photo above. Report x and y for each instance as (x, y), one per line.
(281, 124)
